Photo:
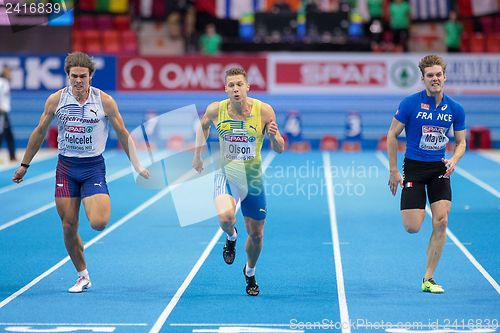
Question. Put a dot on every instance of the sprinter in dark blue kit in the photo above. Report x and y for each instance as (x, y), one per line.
(427, 117)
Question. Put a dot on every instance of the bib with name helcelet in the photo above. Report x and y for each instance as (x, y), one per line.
(433, 138)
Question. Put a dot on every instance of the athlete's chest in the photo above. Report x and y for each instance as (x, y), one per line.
(428, 114)
(90, 112)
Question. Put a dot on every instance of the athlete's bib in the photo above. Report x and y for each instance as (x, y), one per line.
(239, 147)
(433, 138)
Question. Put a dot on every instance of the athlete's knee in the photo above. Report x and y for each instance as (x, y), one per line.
(70, 228)
(411, 227)
(440, 222)
(256, 236)
(98, 224)
(227, 218)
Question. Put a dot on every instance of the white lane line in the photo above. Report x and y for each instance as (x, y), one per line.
(469, 255)
(117, 175)
(228, 324)
(492, 156)
(117, 224)
(454, 239)
(28, 181)
(175, 299)
(344, 313)
(245, 329)
(42, 156)
(73, 324)
(477, 181)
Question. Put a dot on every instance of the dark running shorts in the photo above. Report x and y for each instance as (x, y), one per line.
(417, 176)
(80, 177)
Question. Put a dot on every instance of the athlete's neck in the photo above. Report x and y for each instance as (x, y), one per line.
(239, 108)
(437, 96)
(82, 96)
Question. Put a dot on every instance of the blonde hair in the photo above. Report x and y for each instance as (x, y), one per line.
(431, 60)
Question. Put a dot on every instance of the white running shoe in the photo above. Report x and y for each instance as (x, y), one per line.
(81, 284)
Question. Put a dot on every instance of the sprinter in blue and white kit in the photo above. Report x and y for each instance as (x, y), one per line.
(427, 117)
(83, 116)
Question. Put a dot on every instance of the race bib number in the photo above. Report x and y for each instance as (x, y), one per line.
(78, 138)
(239, 147)
(433, 138)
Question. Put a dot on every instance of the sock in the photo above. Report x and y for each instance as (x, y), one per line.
(249, 271)
(233, 236)
(85, 274)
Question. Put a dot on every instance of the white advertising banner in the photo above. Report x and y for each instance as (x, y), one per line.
(368, 73)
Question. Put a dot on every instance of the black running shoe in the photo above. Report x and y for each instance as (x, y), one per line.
(229, 250)
(252, 286)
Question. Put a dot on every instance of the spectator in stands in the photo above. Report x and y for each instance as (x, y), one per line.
(400, 23)
(453, 29)
(5, 127)
(210, 41)
(281, 6)
(374, 29)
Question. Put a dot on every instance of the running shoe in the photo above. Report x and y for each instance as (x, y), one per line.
(81, 284)
(430, 286)
(252, 286)
(229, 250)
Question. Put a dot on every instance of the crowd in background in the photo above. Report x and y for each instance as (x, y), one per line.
(191, 26)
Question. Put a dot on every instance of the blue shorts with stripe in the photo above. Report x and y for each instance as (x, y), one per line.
(80, 177)
(252, 196)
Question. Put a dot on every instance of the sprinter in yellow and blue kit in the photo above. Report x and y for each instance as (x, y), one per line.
(427, 117)
(241, 122)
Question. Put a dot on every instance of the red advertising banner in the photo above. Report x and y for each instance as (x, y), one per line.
(332, 73)
(190, 73)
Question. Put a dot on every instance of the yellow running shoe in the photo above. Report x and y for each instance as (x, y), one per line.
(430, 286)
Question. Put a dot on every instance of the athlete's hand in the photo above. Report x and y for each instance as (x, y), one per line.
(142, 171)
(272, 128)
(19, 174)
(198, 164)
(450, 166)
(395, 179)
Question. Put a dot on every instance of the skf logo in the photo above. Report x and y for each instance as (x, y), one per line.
(236, 138)
(75, 129)
(424, 106)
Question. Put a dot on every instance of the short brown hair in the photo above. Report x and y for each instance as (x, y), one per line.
(79, 59)
(236, 71)
(431, 60)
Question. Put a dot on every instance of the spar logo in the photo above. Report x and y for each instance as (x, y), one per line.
(236, 138)
(433, 129)
(78, 129)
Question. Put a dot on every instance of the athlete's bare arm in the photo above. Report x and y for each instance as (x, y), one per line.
(38, 134)
(116, 120)
(271, 127)
(392, 150)
(211, 116)
(460, 145)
